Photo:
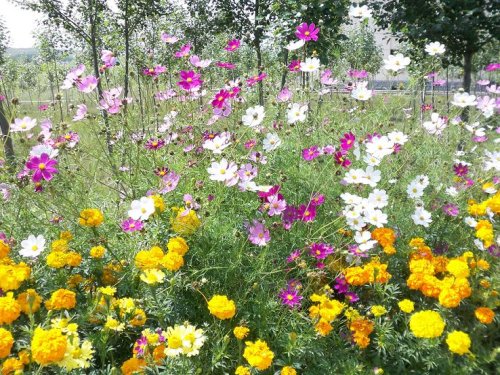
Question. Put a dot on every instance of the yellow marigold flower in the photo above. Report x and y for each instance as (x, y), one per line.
(6, 342)
(378, 310)
(351, 313)
(97, 252)
(406, 306)
(73, 259)
(288, 370)
(12, 366)
(159, 203)
(361, 328)
(10, 309)
(126, 305)
(484, 314)
(139, 318)
(152, 276)
(389, 250)
(421, 266)
(61, 299)
(113, 324)
(29, 301)
(186, 222)
(458, 268)
(222, 307)
(483, 264)
(417, 242)
(4, 249)
(449, 298)
(242, 370)
(48, 346)
(12, 275)
(427, 324)
(133, 366)
(107, 291)
(66, 235)
(323, 327)
(240, 332)
(75, 280)
(149, 259)
(61, 245)
(159, 354)
(458, 342)
(384, 236)
(56, 259)
(91, 217)
(485, 283)
(178, 245)
(172, 261)
(258, 354)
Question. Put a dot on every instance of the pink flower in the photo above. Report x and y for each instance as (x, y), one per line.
(184, 51)
(341, 159)
(197, 62)
(225, 65)
(306, 213)
(258, 234)
(317, 200)
(167, 38)
(43, 167)
(131, 225)
(154, 144)
(326, 78)
(276, 205)
(232, 45)
(253, 80)
(294, 66)
(154, 72)
(310, 153)
(307, 32)
(358, 74)
(290, 297)
(320, 250)
(450, 209)
(219, 99)
(492, 67)
(189, 80)
(108, 58)
(87, 84)
(80, 112)
(43, 107)
(347, 142)
(170, 182)
(284, 95)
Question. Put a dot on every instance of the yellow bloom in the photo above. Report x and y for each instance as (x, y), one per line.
(288, 370)
(29, 301)
(484, 314)
(91, 217)
(4, 249)
(458, 342)
(61, 245)
(458, 268)
(242, 370)
(133, 366)
(76, 356)
(107, 291)
(153, 276)
(184, 339)
(113, 324)
(258, 354)
(406, 306)
(6, 342)
(378, 310)
(10, 309)
(149, 259)
(178, 245)
(48, 346)
(222, 307)
(172, 261)
(97, 252)
(56, 259)
(139, 318)
(12, 366)
(61, 299)
(159, 203)
(240, 332)
(427, 324)
(186, 222)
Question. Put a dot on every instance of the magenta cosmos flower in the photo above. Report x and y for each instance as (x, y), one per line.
(253, 80)
(219, 99)
(154, 144)
(306, 213)
(341, 159)
(310, 153)
(450, 209)
(43, 167)
(294, 66)
(131, 225)
(347, 141)
(320, 250)
(460, 169)
(154, 72)
(232, 45)
(189, 80)
(184, 51)
(225, 65)
(258, 234)
(307, 32)
(290, 297)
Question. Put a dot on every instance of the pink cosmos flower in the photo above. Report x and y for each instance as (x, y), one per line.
(219, 99)
(108, 58)
(320, 250)
(2, 98)
(131, 225)
(341, 159)
(81, 111)
(284, 95)
(317, 200)
(294, 66)
(170, 182)
(253, 80)
(258, 234)
(290, 297)
(154, 72)
(306, 213)
(492, 67)
(307, 32)
(184, 51)
(276, 205)
(189, 80)
(225, 65)
(347, 142)
(439, 82)
(87, 84)
(43, 167)
(460, 169)
(294, 255)
(326, 78)
(450, 209)
(167, 38)
(310, 153)
(197, 62)
(43, 107)
(358, 74)
(232, 45)
(154, 144)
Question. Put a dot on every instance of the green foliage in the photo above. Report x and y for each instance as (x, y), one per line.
(4, 40)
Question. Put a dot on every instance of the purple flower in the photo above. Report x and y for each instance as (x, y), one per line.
(276, 205)
(356, 251)
(492, 67)
(284, 95)
(169, 181)
(306, 213)
(184, 51)
(154, 144)
(232, 45)
(290, 297)
(341, 159)
(294, 66)
(347, 142)
(131, 225)
(43, 167)
(351, 297)
(293, 256)
(359, 74)
(450, 209)
(320, 250)
(258, 234)
(310, 153)
(307, 32)
(140, 345)
(189, 80)
(225, 65)
(341, 285)
(317, 200)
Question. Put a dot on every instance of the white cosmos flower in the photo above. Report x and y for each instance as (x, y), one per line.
(217, 144)
(355, 176)
(414, 190)
(371, 160)
(142, 209)
(463, 99)
(271, 142)
(435, 48)
(470, 221)
(436, 125)
(364, 240)
(452, 191)
(361, 92)
(395, 63)
(349, 198)
(292, 46)
(380, 147)
(362, 12)
(398, 137)
(372, 176)
(310, 65)
(40, 149)
(23, 124)
(297, 113)
(376, 217)
(222, 171)
(356, 223)
(253, 116)
(32, 246)
(492, 160)
(421, 217)
(378, 198)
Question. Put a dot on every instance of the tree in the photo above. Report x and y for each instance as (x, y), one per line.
(463, 26)
(4, 123)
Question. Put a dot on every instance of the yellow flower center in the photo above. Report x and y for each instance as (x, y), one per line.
(34, 247)
(41, 166)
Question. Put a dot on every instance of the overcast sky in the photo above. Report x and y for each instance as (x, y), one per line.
(20, 23)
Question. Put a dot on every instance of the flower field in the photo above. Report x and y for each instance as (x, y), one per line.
(210, 220)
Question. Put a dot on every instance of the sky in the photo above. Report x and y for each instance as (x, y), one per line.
(21, 24)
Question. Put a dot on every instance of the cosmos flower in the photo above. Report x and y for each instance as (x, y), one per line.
(258, 234)
(290, 297)
(43, 167)
(307, 32)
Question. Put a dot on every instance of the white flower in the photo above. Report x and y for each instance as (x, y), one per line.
(356, 223)
(395, 63)
(380, 147)
(436, 125)
(421, 217)
(414, 190)
(470, 221)
(40, 149)
(464, 99)
(378, 198)
(142, 209)
(253, 116)
(361, 92)
(271, 142)
(398, 137)
(435, 48)
(297, 113)
(23, 125)
(217, 144)
(371, 160)
(376, 217)
(364, 240)
(349, 198)
(452, 191)
(492, 161)
(222, 171)
(422, 180)
(292, 46)
(32, 246)
(355, 176)
(362, 12)
(310, 65)
(372, 176)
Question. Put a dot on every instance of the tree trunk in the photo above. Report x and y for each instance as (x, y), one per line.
(6, 139)
(285, 71)
(259, 67)
(467, 81)
(127, 51)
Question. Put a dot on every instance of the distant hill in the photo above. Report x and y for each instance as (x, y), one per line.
(18, 52)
